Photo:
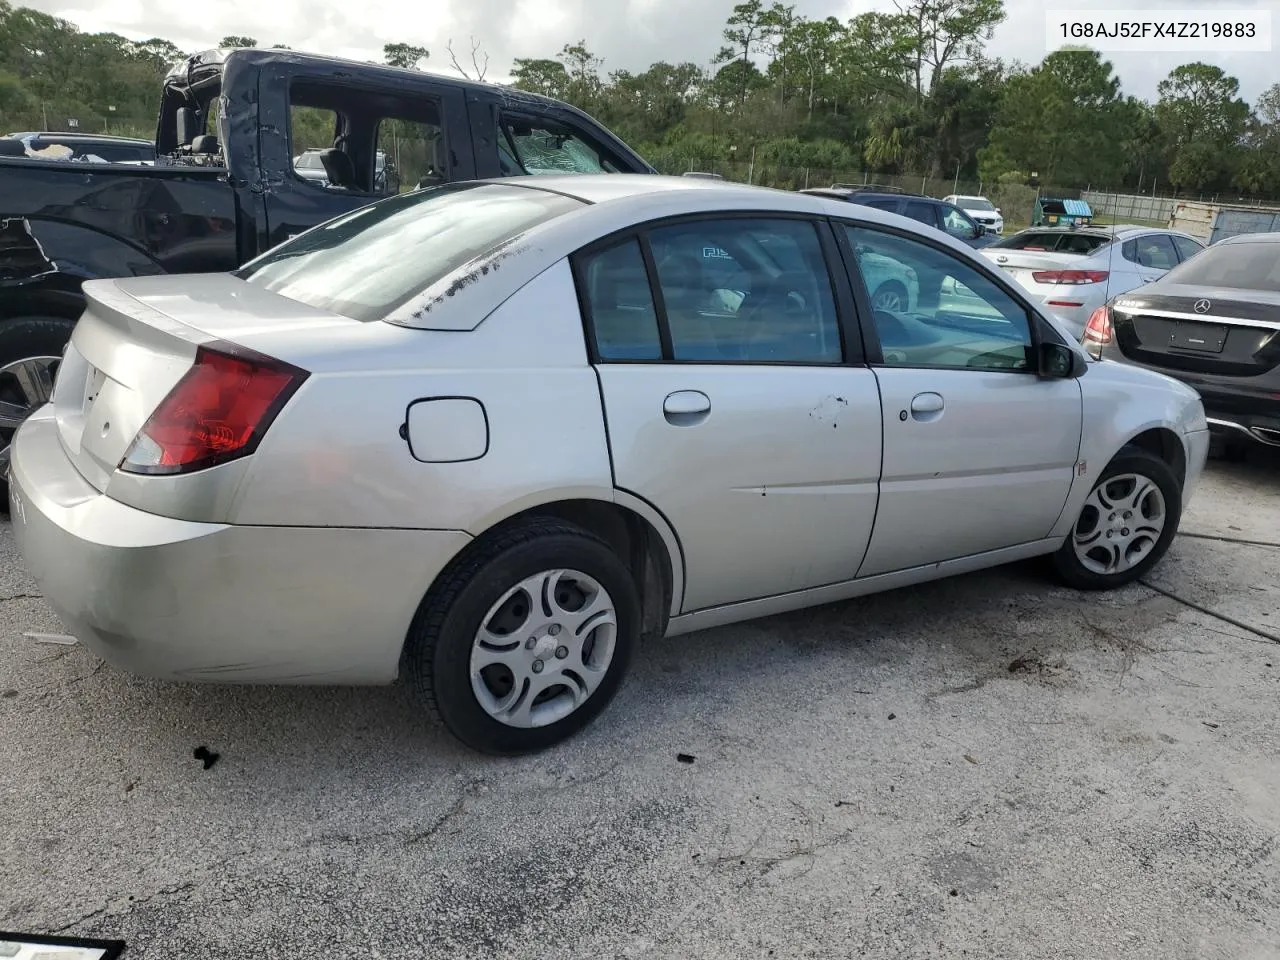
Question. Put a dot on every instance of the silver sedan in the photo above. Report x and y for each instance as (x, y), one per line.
(1073, 271)
(490, 435)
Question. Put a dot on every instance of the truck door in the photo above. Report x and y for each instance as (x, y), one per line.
(348, 141)
(515, 137)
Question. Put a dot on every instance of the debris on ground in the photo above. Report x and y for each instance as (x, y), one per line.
(206, 755)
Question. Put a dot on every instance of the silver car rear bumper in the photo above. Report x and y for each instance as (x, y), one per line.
(198, 601)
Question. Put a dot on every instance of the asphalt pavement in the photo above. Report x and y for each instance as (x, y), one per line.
(991, 766)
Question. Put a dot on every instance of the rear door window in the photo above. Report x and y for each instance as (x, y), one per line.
(889, 205)
(1155, 251)
(1186, 248)
(747, 290)
(926, 213)
(732, 290)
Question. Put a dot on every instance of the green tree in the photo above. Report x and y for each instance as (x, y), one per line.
(582, 72)
(404, 55)
(540, 75)
(807, 51)
(1203, 121)
(947, 32)
(1200, 102)
(642, 107)
(237, 41)
(1060, 119)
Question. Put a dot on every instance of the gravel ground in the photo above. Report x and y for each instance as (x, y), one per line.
(989, 767)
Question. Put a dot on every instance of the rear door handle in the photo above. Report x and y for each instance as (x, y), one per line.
(926, 406)
(686, 407)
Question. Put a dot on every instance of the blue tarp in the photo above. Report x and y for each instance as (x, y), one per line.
(1076, 208)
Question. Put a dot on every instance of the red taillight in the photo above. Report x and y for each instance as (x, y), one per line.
(1099, 330)
(1069, 276)
(217, 412)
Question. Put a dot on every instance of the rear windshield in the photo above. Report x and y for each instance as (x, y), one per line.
(1081, 243)
(1240, 266)
(369, 262)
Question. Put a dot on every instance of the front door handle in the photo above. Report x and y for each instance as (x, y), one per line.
(926, 406)
(686, 407)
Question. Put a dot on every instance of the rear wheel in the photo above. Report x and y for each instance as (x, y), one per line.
(30, 351)
(1125, 526)
(525, 639)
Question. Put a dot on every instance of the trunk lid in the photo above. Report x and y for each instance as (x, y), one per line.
(137, 338)
(1219, 331)
(1021, 264)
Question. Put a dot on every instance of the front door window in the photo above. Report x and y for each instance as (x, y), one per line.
(544, 147)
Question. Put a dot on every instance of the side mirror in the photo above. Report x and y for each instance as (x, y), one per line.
(997, 210)
(978, 231)
(1056, 361)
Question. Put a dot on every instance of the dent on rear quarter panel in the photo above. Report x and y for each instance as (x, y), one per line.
(1121, 402)
(335, 456)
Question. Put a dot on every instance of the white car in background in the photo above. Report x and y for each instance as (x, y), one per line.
(1073, 271)
(981, 209)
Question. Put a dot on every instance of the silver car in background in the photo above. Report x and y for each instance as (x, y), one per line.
(491, 434)
(1075, 271)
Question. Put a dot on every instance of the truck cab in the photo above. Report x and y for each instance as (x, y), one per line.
(223, 186)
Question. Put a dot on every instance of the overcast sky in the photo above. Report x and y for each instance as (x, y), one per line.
(639, 33)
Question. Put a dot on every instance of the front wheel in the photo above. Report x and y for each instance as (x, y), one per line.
(525, 638)
(1125, 526)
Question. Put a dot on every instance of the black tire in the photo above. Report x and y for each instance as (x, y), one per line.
(892, 286)
(20, 338)
(1142, 463)
(438, 648)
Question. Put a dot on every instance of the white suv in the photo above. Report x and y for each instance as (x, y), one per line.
(981, 209)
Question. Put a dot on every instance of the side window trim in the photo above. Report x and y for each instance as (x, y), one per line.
(853, 341)
(872, 350)
(658, 297)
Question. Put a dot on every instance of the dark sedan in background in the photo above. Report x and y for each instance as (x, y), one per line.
(1213, 322)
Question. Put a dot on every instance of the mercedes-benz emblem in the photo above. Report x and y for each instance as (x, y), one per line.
(1202, 306)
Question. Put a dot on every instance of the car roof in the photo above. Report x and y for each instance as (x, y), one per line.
(1251, 238)
(1109, 231)
(617, 203)
(851, 193)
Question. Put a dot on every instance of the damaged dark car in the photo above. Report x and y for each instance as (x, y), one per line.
(223, 186)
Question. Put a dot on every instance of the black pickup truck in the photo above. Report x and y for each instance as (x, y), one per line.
(223, 187)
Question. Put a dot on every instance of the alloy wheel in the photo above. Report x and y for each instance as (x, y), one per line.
(1120, 524)
(543, 648)
(25, 386)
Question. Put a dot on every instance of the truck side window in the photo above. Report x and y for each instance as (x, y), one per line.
(410, 154)
(541, 146)
(357, 141)
(311, 128)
